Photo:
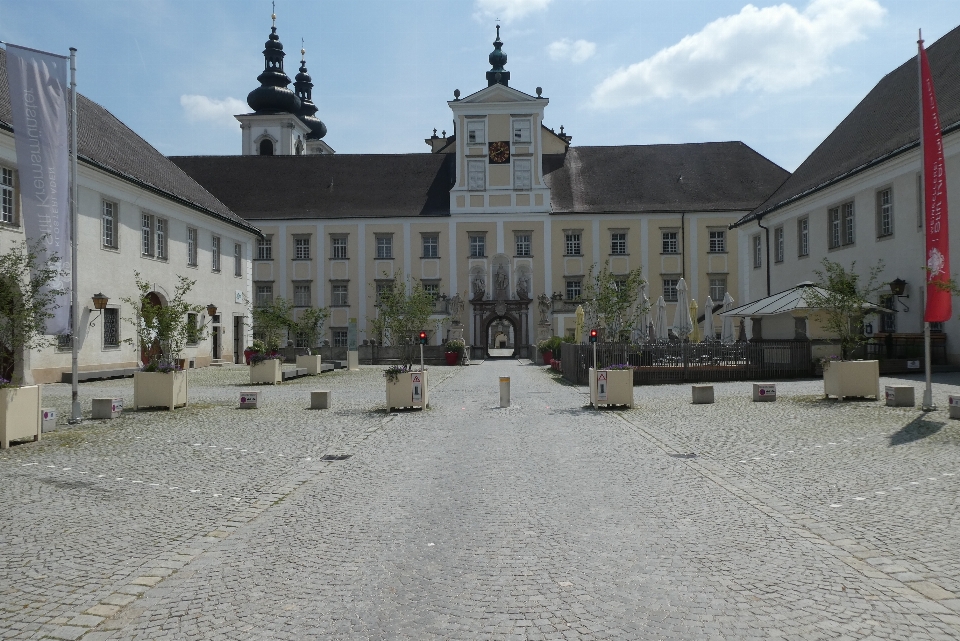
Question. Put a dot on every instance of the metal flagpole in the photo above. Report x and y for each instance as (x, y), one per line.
(75, 413)
(927, 404)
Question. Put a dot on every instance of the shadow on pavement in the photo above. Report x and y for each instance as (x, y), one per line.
(918, 428)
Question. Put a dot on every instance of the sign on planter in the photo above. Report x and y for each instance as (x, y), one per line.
(602, 385)
(416, 380)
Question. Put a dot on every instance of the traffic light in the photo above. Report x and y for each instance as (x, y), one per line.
(423, 338)
(593, 336)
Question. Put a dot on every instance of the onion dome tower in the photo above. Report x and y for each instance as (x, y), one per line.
(497, 74)
(308, 110)
(273, 95)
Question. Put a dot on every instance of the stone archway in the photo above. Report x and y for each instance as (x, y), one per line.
(509, 312)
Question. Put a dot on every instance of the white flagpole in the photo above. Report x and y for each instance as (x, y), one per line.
(927, 404)
(75, 410)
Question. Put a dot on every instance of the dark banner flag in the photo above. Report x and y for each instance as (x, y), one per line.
(38, 99)
(939, 305)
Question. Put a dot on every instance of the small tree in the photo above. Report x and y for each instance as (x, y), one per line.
(401, 316)
(309, 325)
(27, 301)
(608, 300)
(844, 299)
(164, 329)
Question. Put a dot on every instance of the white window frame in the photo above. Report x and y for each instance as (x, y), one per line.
(215, 253)
(670, 241)
(108, 224)
(384, 244)
(430, 245)
(885, 213)
(265, 247)
(803, 236)
(522, 131)
(476, 132)
(476, 175)
(572, 243)
(161, 243)
(778, 248)
(192, 236)
(670, 292)
(477, 245)
(302, 296)
(339, 335)
(237, 259)
(263, 293)
(340, 294)
(718, 288)
(8, 196)
(718, 241)
(523, 245)
(338, 247)
(522, 174)
(757, 251)
(301, 247)
(618, 243)
(849, 222)
(573, 289)
(146, 234)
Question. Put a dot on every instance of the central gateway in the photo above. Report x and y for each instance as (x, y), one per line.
(500, 323)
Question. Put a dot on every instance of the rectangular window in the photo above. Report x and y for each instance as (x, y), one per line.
(888, 322)
(385, 246)
(476, 175)
(338, 246)
(339, 337)
(383, 288)
(718, 288)
(193, 333)
(778, 244)
(757, 251)
(162, 238)
(841, 225)
(265, 248)
(111, 327)
(108, 224)
(301, 247)
(146, 235)
(833, 214)
(433, 289)
(215, 253)
(237, 259)
(431, 245)
(475, 132)
(191, 247)
(572, 244)
(848, 224)
(522, 174)
(884, 213)
(521, 131)
(7, 198)
(573, 290)
(523, 244)
(803, 236)
(264, 295)
(718, 241)
(338, 295)
(670, 242)
(301, 341)
(301, 295)
(670, 290)
(618, 242)
(478, 245)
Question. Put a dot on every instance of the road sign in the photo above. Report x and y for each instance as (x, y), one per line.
(602, 385)
(416, 386)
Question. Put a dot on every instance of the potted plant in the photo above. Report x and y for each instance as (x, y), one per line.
(405, 387)
(271, 322)
(162, 332)
(545, 348)
(454, 350)
(612, 385)
(309, 328)
(28, 296)
(247, 353)
(265, 364)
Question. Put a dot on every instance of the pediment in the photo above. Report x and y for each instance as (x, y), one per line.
(498, 93)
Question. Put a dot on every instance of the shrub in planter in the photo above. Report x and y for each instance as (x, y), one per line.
(454, 351)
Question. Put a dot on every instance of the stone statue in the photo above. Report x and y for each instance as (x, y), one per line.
(502, 281)
(456, 308)
(543, 302)
(479, 288)
(522, 287)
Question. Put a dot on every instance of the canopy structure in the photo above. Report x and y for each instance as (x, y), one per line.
(788, 301)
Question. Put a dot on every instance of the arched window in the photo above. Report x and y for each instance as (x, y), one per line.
(266, 147)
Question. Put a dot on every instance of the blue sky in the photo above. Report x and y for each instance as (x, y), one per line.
(779, 77)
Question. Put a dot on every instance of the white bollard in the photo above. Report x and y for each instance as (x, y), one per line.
(954, 406)
(107, 407)
(504, 391)
(48, 420)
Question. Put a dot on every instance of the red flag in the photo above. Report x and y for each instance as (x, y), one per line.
(939, 305)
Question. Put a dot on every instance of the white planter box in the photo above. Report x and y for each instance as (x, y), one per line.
(19, 414)
(400, 392)
(851, 378)
(309, 363)
(619, 387)
(159, 389)
(266, 372)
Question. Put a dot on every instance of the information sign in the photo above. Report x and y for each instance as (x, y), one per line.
(602, 385)
(416, 387)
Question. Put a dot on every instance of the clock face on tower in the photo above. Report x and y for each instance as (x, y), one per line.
(499, 153)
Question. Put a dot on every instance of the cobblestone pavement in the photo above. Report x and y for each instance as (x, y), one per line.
(799, 519)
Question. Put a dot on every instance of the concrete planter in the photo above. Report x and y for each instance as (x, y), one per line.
(267, 371)
(159, 389)
(20, 415)
(309, 363)
(400, 392)
(619, 387)
(851, 378)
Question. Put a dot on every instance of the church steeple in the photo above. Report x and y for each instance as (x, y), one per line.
(273, 95)
(308, 110)
(497, 74)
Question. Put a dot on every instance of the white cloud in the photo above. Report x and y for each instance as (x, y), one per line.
(220, 112)
(771, 49)
(574, 51)
(508, 10)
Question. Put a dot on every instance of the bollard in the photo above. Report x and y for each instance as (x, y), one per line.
(320, 400)
(107, 407)
(954, 406)
(48, 420)
(504, 391)
(899, 395)
(702, 394)
(250, 400)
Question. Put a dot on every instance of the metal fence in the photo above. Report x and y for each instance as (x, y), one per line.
(900, 346)
(675, 362)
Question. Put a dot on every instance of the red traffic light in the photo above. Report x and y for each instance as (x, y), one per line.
(593, 336)
(423, 338)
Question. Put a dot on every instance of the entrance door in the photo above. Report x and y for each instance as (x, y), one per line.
(217, 338)
(238, 339)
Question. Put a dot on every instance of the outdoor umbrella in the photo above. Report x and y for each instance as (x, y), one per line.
(660, 321)
(682, 325)
(709, 333)
(643, 322)
(578, 334)
(695, 334)
(727, 334)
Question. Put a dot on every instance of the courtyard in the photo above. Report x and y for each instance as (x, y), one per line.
(800, 519)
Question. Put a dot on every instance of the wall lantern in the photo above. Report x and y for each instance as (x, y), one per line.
(211, 310)
(99, 303)
(898, 287)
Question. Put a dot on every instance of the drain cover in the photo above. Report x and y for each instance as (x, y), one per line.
(336, 457)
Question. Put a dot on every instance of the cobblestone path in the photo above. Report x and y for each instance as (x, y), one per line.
(800, 519)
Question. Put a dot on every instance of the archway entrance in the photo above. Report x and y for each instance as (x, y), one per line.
(501, 337)
(500, 328)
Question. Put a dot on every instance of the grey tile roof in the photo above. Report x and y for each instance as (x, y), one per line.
(886, 123)
(108, 144)
(711, 176)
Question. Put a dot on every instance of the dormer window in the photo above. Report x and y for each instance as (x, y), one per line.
(521, 131)
(475, 132)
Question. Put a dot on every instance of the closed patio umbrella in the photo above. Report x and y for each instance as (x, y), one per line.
(660, 321)
(709, 332)
(578, 331)
(682, 325)
(644, 317)
(727, 333)
(695, 334)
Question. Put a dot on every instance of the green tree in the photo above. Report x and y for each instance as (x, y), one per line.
(272, 321)
(309, 325)
(27, 301)
(609, 301)
(401, 316)
(163, 330)
(844, 298)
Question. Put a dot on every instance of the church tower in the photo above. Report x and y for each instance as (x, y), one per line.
(308, 111)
